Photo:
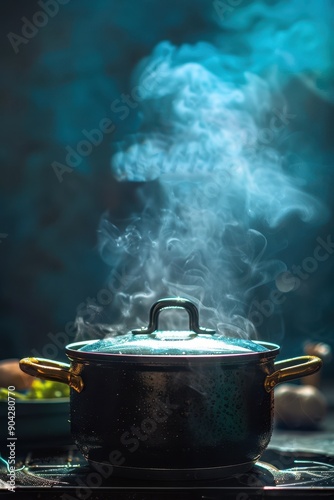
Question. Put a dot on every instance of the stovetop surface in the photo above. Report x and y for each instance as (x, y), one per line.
(296, 464)
(61, 472)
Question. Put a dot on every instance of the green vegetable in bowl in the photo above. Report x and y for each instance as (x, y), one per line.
(14, 394)
(46, 389)
(40, 389)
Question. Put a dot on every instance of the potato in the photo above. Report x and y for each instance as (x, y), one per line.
(299, 406)
(11, 374)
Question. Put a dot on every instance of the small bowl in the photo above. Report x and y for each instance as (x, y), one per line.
(37, 419)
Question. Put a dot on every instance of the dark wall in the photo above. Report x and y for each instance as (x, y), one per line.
(58, 83)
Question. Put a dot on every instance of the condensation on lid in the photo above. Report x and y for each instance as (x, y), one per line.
(172, 343)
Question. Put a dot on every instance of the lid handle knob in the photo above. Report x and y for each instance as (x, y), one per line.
(174, 303)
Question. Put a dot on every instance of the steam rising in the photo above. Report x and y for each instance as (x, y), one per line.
(209, 152)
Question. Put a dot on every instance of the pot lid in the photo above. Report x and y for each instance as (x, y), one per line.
(195, 341)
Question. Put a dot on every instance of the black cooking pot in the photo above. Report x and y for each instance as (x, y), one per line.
(171, 404)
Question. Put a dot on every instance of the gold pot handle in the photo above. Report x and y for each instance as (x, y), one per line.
(53, 370)
(290, 369)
